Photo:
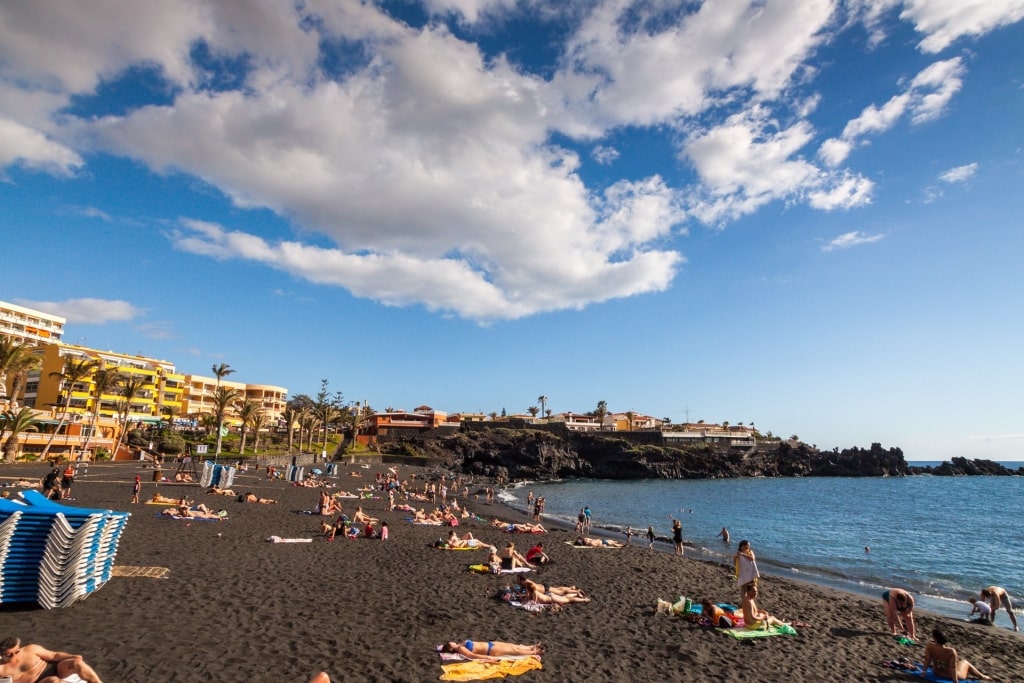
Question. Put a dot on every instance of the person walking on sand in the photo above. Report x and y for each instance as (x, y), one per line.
(996, 596)
(650, 538)
(34, 663)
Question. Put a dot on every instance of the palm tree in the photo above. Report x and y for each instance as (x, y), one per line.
(533, 410)
(258, 421)
(12, 356)
(223, 400)
(19, 368)
(169, 412)
(104, 381)
(130, 386)
(601, 412)
(245, 411)
(22, 421)
(75, 370)
(290, 416)
(543, 401)
(221, 371)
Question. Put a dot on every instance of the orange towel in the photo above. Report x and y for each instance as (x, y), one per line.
(478, 670)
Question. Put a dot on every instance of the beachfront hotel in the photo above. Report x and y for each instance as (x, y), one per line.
(86, 420)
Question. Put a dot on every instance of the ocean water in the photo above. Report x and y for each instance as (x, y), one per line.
(942, 538)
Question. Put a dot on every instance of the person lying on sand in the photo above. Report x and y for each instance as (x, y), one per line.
(466, 541)
(568, 591)
(718, 616)
(535, 593)
(253, 498)
(157, 498)
(522, 528)
(756, 619)
(598, 542)
(221, 492)
(491, 650)
(199, 512)
(34, 663)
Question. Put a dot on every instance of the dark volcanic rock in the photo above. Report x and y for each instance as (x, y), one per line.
(959, 467)
(535, 454)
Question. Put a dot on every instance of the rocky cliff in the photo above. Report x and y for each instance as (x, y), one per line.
(517, 454)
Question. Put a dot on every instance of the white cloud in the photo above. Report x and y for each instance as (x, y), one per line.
(429, 171)
(925, 98)
(87, 311)
(605, 155)
(960, 174)
(31, 148)
(851, 239)
(751, 160)
(944, 21)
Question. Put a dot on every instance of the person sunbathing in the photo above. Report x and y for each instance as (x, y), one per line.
(183, 477)
(221, 492)
(756, 619)
(598, 542)
(157, 498)
(466, 541)
(361, 517)
(31, 662)
(510, 557)
(251, 497)
(718, 616)
(184, 511)
(517, 527)
(528, 585)
(534, 593)
(943, 660)
(491, 650)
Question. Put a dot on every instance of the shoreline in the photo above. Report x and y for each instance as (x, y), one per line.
(234, 607)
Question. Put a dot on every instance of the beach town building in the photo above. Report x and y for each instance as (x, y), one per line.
(199, 390)
(87, 422)
(689, 434)
(28, 326)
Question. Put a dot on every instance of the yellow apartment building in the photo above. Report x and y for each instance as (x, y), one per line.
(199, 389)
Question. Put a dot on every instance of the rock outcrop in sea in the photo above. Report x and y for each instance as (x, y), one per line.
(505, 454)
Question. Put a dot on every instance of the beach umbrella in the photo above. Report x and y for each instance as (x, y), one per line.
(316, 471)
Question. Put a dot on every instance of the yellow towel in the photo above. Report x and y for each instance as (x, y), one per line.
(477, 670)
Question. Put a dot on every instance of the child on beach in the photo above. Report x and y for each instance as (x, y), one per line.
(136, 488)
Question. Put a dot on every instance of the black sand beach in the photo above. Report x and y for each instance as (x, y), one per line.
(235, 607)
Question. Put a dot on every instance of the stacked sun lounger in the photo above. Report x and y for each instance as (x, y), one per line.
(295, 473)
(221, 476)
(54, 554)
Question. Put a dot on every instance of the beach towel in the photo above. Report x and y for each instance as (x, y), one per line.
(192, 519)
(477, 670)
(278, 539)
(149, 572)
(744, 633)
(916, 668)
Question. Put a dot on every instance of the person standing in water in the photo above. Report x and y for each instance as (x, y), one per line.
(724, 534)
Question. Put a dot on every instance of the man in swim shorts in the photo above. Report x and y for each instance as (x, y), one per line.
(996, 596)
(32, 663)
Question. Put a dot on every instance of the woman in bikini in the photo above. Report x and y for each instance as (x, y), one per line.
(899, 611)
(492, 649)
(944, 662)
(510, 557)
(527, 585)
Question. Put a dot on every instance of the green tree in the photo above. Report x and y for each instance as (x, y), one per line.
(543, 401)
(224, 399)
(533, 410)
(601, 412)
(246, 409)
(75, 370)
(290, 416)
(327, 407)
(130, 386)
(16, 361)
(171, 444)
(16, 422)
(221, 371)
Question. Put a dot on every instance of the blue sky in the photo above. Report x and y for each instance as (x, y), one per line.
(802, 214)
